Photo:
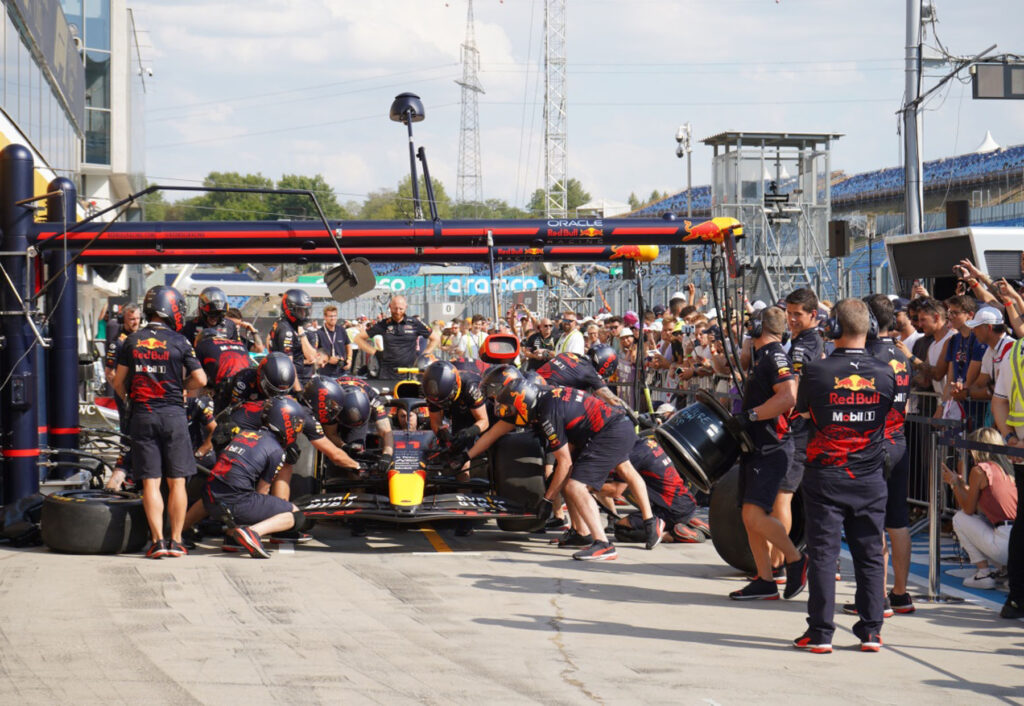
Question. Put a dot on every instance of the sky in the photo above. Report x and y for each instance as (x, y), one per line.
(304, 86)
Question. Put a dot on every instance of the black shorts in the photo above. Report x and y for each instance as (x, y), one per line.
(795, 472)
(761, 477)
(161, 446)
(606, 450)
(247, 508)
(897, 515)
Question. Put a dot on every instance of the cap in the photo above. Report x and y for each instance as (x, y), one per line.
(630, 318)
(900, 304)
(677, 295)
(758, 305)
(658, 310)
(986, 315)
(665, 408)
(627, 331)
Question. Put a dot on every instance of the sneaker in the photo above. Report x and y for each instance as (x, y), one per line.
(189, 538)
(655, 528)
(289, 537)
(231, 544)
(982, 579)
(598, 551)
(796, 577)
(872, 643)
(572, 538)
(685, 534)
(556, 523)
(251, 541)
(804, 642)
(158, 549)
(176, 549)
(757, 590)
(701, 526)
(887, 611)
(778, 575)
(902, 603)
(1012, 610)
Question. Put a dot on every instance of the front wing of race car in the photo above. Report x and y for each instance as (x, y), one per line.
(442, 506)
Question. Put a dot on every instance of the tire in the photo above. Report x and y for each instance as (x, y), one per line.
(727, 531)
(517, 474)
(94, 522)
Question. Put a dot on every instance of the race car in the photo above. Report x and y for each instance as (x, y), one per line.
(505, 484)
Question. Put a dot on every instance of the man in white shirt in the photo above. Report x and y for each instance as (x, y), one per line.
(571, 340)
(470, 342)
(989, 329)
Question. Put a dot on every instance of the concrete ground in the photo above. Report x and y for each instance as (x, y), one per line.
(419, 617)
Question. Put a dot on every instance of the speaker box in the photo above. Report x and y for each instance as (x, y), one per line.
(628, 269)
(677, 261)
(838, 238)
(958, 214)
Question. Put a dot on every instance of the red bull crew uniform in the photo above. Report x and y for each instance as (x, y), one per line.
(602, 436)
(762, 472)
(155, 357)
(251, 457)
(670, 499)
(806, 347)
(572, 370)
(848, 395)
(898, 480)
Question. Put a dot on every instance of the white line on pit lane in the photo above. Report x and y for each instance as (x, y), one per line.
(446, 553)
(286, 549)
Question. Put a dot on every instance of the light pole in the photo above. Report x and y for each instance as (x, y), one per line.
(684, 146)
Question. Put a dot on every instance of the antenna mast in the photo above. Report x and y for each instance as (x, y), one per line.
(469, 188)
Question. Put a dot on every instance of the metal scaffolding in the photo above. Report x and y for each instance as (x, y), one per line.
(778, 186)
(469, 187)
(556, 152)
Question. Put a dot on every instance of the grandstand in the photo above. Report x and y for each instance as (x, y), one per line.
(949, 174)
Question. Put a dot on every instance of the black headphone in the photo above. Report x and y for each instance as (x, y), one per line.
(756, 325)
(834, 330)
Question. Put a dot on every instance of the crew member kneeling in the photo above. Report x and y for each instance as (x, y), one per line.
(767, 401)
(240, 480)
(847, 397)
(600, 435)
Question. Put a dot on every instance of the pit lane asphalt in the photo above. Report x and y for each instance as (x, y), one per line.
(503, 618)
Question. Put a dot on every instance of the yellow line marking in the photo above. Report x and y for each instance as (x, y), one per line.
(435, 539)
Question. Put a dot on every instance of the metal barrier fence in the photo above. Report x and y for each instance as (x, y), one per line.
(931, 442)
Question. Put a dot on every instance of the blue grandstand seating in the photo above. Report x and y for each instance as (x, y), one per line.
(965, 168)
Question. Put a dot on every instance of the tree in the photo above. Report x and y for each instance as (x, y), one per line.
(576, 197)
(634, 202)
(404, 208)
(655, 196)
(230, 206)
(155, 207)
(298, 207)
(489, 208)
(379, 205)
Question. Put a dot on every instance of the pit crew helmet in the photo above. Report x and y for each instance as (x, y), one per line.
(284, 417)
(275, 375)
(516, 403)
(441, 383)
(167, 303)
(296, 306)
(604, 360)
(324, 397)
(213, 304)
